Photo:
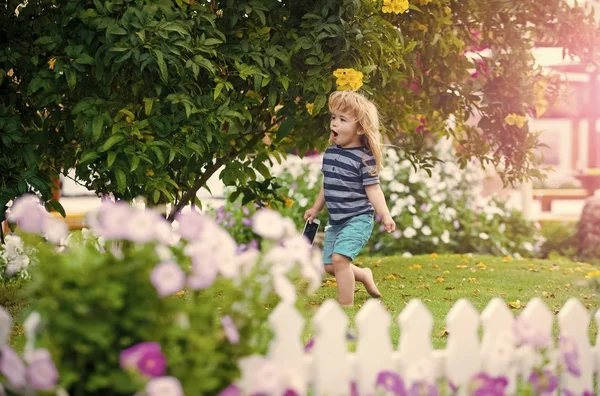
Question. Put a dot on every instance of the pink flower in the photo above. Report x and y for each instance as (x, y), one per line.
(42, 373)
(231, 390)
(145, 357)
(231, 332)
(191, 225)
(28, 213)
(168, 278)
(12, 367)
(164, 386)
(112, 219)
(204, 273)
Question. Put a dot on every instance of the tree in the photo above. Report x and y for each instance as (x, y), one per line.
(153, 98)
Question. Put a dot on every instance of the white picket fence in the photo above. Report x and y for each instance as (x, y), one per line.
(329, 366)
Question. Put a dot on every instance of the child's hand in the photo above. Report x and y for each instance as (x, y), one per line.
(389, 223)
(310, 214)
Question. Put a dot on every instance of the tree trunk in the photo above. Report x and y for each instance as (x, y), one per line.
(588, 233)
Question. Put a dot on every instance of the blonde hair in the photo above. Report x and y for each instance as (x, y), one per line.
(365, 113)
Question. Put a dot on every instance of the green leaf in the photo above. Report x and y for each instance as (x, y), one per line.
(261, 16)
(286, 127)
(319, 103)
(97, 125)
(156, 196)
(148, 102)
(162, 66)
(90, 156)
(262, 169)
(212, 41)
(218, 90)
(57, 207)
(135, 162)
(85, 59)
(121, 180)
(174, 27)
(116, 30)
(45, 40)
(112, 155)
(111, 141)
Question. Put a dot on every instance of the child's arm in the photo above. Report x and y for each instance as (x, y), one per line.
(311, 213)
(377, 199)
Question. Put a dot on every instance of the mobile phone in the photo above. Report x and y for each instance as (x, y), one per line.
(310, 230)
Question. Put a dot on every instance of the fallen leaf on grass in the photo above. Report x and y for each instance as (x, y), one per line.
(481, 265)
(476, 292)
(436, 266)
(555, 267)
(446, 272)
(473, 280)
(439, 279)
(416, 266)
(330, 283)
(444, 333)
(433, 255)
(450, 288)
(507, 259)
(462, 266)
(515, 304)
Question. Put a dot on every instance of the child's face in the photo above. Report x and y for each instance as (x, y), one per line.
(345, 130)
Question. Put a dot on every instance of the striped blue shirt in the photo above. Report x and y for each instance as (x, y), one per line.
(346, 172)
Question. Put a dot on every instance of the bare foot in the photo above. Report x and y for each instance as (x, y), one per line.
(370, 284)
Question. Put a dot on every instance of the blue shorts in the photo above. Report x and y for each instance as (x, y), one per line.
(349, 238)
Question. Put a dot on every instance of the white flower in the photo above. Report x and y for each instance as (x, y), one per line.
(409, 232)
(426, 231)
(445, 236)
(269, 224)
(417, 223)
(168, 278)
(393, 197)
(435, 240)
(386, 174)
(411, 200)
(5, 325)
(284, 289)
(407, 254)
(260, 375)
(528, 246)
(484, 236)
(502, 228)
(412, 209)
(164, 386)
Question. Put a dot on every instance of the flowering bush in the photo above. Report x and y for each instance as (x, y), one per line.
(14, 260)
(135, 303)
(444, 212)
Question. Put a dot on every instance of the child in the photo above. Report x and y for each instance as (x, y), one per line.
(351, 191)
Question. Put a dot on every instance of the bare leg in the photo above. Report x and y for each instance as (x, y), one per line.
(363, 275)
(345, 279)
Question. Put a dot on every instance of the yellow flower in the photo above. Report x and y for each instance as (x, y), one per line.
(481, 265)
(447, 10)
(288, 202)
(348, 79)
(309, 108)
(515, 119)
(433, 255)
(149, 173)
(51, 63)
(507, 259)
(540, 107)
(415, 25)
(593, 274)
(395, 6)
(539, 89)
(181, 293)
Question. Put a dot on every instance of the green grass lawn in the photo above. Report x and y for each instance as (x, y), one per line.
(440, 281)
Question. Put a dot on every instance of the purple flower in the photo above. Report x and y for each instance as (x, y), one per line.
(422, 388)
(142, 225)
(168, 278)
(290, 392)
(378, 218)
(309, 345)
(146, 357)
(231, 390)
(42, 373)
(28, 213)
(353, 389)
(204, 273)
(543, 383)
(191, 225)
(231, 223)
(381, 228)
(397, 234)
(246, 211)
(484, 385)
(254, 244)
(247, 222)
(570, 355)
(164, 386)
(567, 392)
(231, 331)
(390, 382)
(12, 367)
(112, 218)
(242, 248)
(153, 364)
(424, 207)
